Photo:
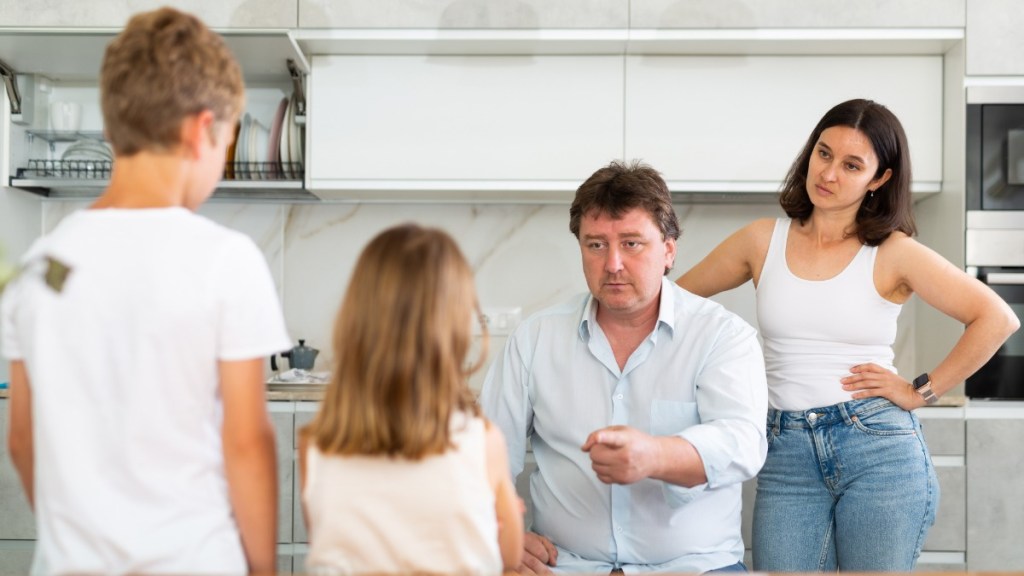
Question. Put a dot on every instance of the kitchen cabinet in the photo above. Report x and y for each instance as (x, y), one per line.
(284, 438)
(479, 14)
(383, 125)
(946, 543)
(61, 65)
(303, 415)
(796, 14)
(221, 14)
(738, 120)
(994, 488)
(994, 41)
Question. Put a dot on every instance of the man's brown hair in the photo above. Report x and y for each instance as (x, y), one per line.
(164, 66)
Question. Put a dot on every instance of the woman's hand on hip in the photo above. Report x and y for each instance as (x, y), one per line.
(871, 380)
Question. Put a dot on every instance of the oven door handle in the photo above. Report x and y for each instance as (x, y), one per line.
(1005, 278)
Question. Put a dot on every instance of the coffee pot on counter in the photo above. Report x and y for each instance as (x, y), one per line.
(301, 357)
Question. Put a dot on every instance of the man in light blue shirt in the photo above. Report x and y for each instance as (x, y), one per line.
(645, 404)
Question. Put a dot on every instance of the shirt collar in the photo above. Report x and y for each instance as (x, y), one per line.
(666, 311)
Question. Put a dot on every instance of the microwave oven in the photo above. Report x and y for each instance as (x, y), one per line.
(995, 148)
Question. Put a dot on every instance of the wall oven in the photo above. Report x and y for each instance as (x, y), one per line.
(994, 240)
(995, 255)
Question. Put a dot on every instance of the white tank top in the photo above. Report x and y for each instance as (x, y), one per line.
(815, 331)
(374, 514)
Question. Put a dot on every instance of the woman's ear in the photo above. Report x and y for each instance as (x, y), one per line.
(881, 180)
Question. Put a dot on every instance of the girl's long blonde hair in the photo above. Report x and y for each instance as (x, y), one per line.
(401, 339)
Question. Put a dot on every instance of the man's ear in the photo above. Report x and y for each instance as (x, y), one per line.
(195, 132)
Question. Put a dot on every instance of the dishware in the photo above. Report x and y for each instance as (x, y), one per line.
(242, 149)
(274, 150)
(65, 116)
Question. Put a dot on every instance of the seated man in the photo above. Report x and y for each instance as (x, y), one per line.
(644, 403)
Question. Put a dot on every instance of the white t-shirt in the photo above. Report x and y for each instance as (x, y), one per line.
(380, 515)
(122, 363)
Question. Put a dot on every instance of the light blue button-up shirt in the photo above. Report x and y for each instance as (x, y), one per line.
(699, 375)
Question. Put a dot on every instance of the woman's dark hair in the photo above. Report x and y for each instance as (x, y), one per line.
(889, 207)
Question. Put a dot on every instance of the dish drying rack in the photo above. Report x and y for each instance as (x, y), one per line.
(100, 170)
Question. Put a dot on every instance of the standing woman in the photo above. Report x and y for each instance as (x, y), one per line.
(848, 483)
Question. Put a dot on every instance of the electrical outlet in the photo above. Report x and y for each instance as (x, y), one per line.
(500, 321)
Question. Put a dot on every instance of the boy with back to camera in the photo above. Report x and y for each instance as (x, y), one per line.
(136, 333)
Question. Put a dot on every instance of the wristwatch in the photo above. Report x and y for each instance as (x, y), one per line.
(923, 386)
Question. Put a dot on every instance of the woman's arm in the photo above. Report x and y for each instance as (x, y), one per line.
(737, 259)
(987, 319)
(507, 504)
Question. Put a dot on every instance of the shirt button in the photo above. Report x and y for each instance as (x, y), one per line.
(619, 396)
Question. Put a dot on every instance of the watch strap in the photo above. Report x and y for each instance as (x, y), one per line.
(923, 386)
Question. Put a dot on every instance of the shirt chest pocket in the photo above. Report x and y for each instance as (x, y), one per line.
(670, 417)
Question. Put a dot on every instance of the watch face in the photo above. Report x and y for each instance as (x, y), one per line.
(921, 380)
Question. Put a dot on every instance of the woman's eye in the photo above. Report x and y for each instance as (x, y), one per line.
(852, 167)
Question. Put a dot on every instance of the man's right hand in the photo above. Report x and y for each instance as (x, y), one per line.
(538, 554)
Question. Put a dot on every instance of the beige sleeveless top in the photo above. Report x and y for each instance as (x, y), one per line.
(391, 515)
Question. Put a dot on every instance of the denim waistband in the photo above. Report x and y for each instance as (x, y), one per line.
(843, 412)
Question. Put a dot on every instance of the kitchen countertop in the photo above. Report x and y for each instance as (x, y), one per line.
(297, 394)
(315, 393)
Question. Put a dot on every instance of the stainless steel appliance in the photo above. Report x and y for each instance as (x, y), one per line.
(995, 223)
(995, 148)
(995, 255)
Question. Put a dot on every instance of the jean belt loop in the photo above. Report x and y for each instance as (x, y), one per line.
(776, 422)
(846, 410)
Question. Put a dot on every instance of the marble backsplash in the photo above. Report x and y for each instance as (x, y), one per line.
(524, 255)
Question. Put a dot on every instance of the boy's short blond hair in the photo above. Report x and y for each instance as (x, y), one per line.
(163, 67)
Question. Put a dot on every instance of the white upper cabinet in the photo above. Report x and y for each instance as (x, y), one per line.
(740, 121)
(462, 123)
(995, 37)
(484, 14)
(797, 13)
(106, 14)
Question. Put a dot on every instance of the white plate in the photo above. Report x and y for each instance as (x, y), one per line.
(286, 133)
(274, 149)
(258, 148)
(242, 149)
(295, 139)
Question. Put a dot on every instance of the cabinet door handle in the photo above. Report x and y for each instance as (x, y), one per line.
(1005, 278)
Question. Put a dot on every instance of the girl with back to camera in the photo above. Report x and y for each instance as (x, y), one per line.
(848, 483)
(400, 473)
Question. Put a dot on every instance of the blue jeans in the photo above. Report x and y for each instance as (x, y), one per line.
(848, 487)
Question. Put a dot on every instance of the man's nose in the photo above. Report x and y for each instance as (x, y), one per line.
(613, 263)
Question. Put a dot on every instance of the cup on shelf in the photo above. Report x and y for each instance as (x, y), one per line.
(65, 116)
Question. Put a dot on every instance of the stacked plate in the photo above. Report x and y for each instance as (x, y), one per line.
(261, 152)
(88, 150)
(291, 142)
